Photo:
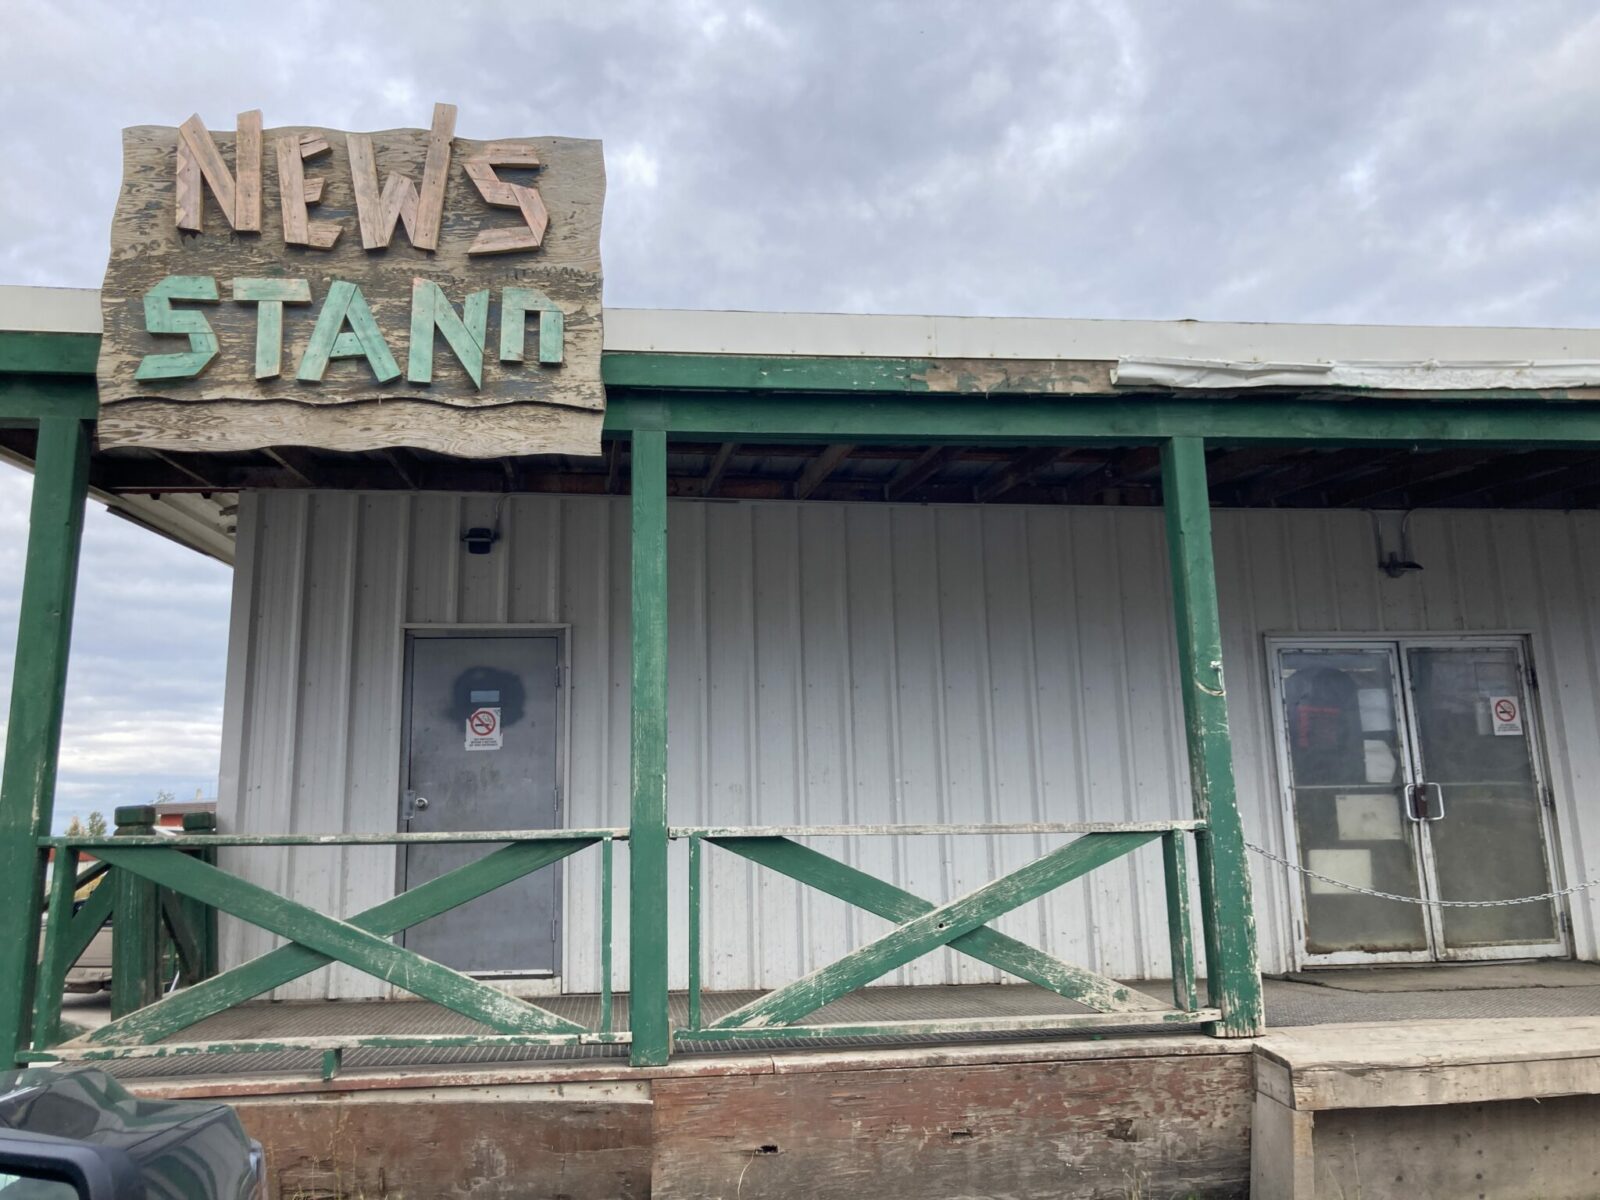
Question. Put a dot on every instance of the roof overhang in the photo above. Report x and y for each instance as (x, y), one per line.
(743, 381)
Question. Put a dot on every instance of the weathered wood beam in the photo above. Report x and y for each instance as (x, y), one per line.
(613, 468)
(1400, 473)
(719, 464)
(1018, 471)
(404, 465)
(175, 461)
(1225, 466)
(1230, 924)
(882, 899)
(298, 463)
(818, 470)
(919, 470)
(1577, 478)
(33, 736)
(1308, 474)
(1465, 484)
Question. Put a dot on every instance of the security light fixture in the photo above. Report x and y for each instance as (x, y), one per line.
(479, 539)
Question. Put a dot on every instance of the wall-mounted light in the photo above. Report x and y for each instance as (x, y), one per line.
(1392, 563)
(479, 539)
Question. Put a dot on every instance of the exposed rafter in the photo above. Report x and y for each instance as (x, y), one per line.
(1014, 473)
(714, 473)
(919, 470)
(819, 468)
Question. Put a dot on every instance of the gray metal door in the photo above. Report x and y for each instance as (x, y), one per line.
(481, 754)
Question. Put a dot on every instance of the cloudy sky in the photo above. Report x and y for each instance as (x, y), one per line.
(1273, 160)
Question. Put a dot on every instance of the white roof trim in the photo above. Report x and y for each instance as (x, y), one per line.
(1174, 354)
(1401, 376)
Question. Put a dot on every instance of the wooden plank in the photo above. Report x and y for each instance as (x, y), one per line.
(291, 190)
(435, 173)
(921, 469)
(818, 470)
(714, 473)
(464, 334)
(1145, 1127)
(1018, 471)
(53, 961)
(212, 841)
(983, 829)
(287, 963)
(374, 217)
(247, 173)
(269, 296)
(515, 304)
(1282, 1155)
(647, 851)
(198, 156)
(1229, 914)
(951, 1026)
(161, 318)
(930, 930)
(541, 406)
(86, 1051)
(1180, 936)
(987, 945)
(39, 679)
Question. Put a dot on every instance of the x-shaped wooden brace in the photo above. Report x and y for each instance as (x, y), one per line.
(316, 940)
(960, 924)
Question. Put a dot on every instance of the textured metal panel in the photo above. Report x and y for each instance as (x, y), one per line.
(862, 663)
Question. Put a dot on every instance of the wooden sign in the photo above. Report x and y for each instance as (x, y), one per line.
(354, 291)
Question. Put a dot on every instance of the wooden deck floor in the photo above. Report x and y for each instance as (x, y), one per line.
(1547, 990)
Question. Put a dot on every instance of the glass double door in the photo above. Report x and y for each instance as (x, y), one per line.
(1412, 767)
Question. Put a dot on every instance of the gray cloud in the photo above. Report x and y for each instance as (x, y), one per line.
(1282, 160)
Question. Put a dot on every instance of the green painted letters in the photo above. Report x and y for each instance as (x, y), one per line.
(161, 318)
(515, 305)
(346, 305)
(270, 295)
(431, 309)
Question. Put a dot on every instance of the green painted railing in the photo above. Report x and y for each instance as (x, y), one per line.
(961, 924)
(146, 869)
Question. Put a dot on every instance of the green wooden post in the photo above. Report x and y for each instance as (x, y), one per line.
(1175, 863)
(1235, 983)
(54, 965)
(136, 928)
(202, 917)
(38, 684)
(694, 931)
(648, 1017)
(606, 878)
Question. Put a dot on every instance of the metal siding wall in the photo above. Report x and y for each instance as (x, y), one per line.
(855, 664)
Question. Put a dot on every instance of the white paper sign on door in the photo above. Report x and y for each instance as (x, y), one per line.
(483, 729)
(1506, 714)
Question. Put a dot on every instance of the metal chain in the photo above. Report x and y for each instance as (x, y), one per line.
(1577, 887)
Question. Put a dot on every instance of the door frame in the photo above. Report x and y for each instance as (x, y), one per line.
(528, 982)
(1522, 642)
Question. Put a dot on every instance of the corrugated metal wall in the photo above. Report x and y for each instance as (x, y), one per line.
(854, 664)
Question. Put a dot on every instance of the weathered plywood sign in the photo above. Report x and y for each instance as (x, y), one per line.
(354, 291)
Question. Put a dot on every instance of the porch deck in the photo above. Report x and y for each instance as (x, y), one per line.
(1552, 989)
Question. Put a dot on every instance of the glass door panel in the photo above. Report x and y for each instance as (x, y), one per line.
(1485, 827)
(1348, 763)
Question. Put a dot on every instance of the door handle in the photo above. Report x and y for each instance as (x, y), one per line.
(420, 803)
(1420, 807)
(1438, 802)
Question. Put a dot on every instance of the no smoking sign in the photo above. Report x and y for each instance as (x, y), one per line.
(483, 729)
(1506, 714)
